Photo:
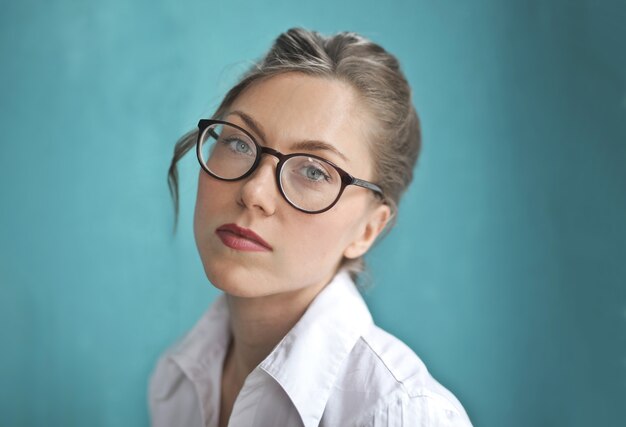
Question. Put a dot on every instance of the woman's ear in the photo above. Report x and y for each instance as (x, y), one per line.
(373, 225)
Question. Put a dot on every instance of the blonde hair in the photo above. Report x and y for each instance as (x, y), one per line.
(375, 74)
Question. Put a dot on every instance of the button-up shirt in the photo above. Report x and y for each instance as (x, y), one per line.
(335, 367)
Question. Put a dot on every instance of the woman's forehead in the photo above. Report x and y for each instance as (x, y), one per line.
(293, 107)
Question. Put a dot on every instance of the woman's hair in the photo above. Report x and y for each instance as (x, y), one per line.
(394, 137)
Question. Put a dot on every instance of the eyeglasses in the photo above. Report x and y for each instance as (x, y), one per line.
(309, 183)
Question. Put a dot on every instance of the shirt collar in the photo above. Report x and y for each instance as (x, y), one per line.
(206, 343)
(306, 361)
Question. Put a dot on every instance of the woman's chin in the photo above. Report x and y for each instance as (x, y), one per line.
(237, 289)
(236, 281)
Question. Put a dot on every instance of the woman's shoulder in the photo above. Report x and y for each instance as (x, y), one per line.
(386, 379)
(398, 363)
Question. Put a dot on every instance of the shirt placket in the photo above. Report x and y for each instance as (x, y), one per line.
(247, 401)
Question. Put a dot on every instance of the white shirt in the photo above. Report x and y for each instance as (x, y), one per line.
(335, 367)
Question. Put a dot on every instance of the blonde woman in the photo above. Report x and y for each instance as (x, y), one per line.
(301, 169)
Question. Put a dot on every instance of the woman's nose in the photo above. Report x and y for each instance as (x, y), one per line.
(259, 190)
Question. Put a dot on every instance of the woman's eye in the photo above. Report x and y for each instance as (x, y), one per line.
(239, 146)
(315, 173)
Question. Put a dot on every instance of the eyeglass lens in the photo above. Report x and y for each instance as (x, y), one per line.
(307, 182)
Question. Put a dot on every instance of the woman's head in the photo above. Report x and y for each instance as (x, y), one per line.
(344, 90)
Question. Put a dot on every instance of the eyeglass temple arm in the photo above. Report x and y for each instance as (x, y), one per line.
(375, 188)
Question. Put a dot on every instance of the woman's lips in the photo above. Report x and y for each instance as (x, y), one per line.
(242, 239)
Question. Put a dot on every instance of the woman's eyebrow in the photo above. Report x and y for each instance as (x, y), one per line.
(256, 127)
(310, 145)
(314, 145)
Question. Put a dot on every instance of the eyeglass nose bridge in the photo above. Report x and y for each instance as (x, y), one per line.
(280, 156)
(267, 150)
(278, 167)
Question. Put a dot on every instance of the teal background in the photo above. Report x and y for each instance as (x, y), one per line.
(506, 272)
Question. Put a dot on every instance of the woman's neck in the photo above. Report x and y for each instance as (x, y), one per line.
(258, 325)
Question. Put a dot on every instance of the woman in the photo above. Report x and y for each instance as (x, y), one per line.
(302, 169)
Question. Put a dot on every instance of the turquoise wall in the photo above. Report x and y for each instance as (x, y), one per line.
(506, 272)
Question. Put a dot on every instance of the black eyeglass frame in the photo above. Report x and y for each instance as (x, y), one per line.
(346, 178)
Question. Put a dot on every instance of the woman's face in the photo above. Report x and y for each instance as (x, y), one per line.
(306, 249)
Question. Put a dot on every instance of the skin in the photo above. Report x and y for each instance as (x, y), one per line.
(267, 292)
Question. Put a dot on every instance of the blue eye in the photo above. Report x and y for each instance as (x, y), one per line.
(239, 146)
(316, 174)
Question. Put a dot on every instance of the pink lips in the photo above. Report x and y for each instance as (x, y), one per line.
(242, 239)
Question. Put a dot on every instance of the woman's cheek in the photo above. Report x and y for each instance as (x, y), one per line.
(322, 243)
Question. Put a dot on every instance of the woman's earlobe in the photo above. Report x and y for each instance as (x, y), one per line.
(355, 250)
(376, 223)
